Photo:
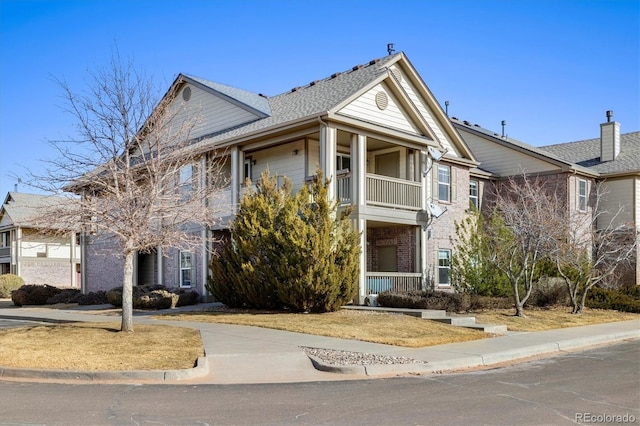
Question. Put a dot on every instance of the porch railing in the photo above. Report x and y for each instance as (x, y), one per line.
(378, 282)
(5, 251)
(384, 191)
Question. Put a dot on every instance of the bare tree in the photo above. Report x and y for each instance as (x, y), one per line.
(522, 231)
(592, 246)
(137, 185)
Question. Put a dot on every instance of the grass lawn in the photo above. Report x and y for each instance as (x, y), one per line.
(541, 319)
(100, 346)
(390, 329)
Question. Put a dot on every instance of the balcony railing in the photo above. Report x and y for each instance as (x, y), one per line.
(384, 191)
(378, 282)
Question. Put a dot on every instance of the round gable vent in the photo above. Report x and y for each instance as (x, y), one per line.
(186, 94)
(382, 101)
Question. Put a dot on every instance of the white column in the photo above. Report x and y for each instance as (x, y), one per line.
(328, 152)
(235, 178)
(159, 265)
(422, 230)
(72, 255)
(18, 250)
(359, 199)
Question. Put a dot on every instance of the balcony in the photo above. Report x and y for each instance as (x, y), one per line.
(383, 191)
(377, 282)
(5, 251)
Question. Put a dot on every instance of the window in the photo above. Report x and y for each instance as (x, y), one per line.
(185, 269)
(343, 163)
(6, 240)
(248, 163)
(582, 195)
(444, 183)
(473, 193)
(186, 181)
(444, 266)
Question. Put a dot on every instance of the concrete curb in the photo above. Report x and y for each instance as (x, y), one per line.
(478, 360)
(200, 370)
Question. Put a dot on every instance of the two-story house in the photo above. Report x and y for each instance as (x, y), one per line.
(375, 130)
(28, 250)
(612, 160)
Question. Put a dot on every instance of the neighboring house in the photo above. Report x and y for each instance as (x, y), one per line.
(575, 167)
(374, 130)
(27, 250)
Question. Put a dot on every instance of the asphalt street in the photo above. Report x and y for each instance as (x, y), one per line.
(600, 385)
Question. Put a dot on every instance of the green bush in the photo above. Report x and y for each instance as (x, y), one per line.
(288, 252)
(33, 294)
(623, 299)
(66, 295)
(9, 283)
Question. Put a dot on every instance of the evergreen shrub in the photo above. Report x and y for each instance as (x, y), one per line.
(32, 294)
(293, 252)
(625, 299)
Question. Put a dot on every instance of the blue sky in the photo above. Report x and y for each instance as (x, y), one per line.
(550, 68)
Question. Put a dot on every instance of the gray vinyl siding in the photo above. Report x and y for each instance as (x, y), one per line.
(365, 108)
(211, 113)
(281, 161)
(426, 112)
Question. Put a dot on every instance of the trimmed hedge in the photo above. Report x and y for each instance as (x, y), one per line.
(441, 300)
(154, 297)
(67, 295)
(622, 299)
(31, 294)
(93, 298)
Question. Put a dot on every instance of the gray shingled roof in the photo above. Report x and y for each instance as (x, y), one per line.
(508, 141)
(250, 99)
(23, 209)
(586, 153)
(311, 100)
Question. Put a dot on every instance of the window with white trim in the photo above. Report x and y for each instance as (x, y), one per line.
(444, 267)
(185, 269)
(474, 192)
(444, 183)
(582, 195)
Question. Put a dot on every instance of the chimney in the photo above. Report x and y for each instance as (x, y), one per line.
(609, 139)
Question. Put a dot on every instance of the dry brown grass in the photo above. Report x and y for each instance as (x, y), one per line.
(551, 318)
(100, 346)
(399, 330)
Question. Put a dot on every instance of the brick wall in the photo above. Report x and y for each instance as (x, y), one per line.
(402, 237)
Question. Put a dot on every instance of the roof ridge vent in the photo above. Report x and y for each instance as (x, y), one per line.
(356, 68)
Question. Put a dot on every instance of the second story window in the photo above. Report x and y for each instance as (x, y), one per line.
(343, 163)
(186, 181)
(444, 183)
(582, 195)
(474, 191)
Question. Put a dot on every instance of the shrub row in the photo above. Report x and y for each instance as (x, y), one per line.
(9, 283)
(145, 297)
(623, 299)
(441, 300)
(155, 297)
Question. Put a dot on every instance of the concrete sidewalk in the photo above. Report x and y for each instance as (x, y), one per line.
(241, 355)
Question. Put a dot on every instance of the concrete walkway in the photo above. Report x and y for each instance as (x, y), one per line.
(241, 354)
